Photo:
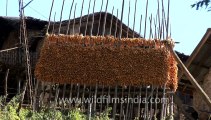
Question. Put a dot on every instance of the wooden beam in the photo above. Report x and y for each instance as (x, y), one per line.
(9, 49)
(195, 73)
(196, 51)
(190, 77)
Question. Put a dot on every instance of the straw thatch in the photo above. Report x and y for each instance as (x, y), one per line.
(106, 60)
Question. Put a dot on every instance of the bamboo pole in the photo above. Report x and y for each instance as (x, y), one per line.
(146, 105)
(111, 22)
(83, 96)
(60, 21)
(68, 25)
(121, 106)
(151, 112)
(104, 22)
(128, 102)
(6, 50)
(95, 99)
(74, 19)
(191, 78)
(70, 95)
(98, 27)
(35, 96)
(115, 103)
(63, 96)
(87, 19)
(163, 104)
(102, 94)
(128, 21)
(49, 19)
(5, 87)
(139, 102)
(82, 7)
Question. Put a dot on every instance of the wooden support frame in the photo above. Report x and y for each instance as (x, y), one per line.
(191, 78)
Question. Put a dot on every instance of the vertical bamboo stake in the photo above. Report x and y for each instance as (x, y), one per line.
(70, 96)
(131, 113)
(139, 102)
(78, 93)
(35, 95)
(115, 33)
(146, 105)
(122, 12)
(43, 90)
(109, 88)
(121, 107)
(102, 94)
(90, 104)
(82, 7)
(5, 84)
(56, 97)
(155, 25)
(49, 20)
(87, 19)
(140, 25)
(167, 26)
(98, 28)
(145, 24)
(74, 19)
(156, 97)
(104, 23)
(95, 98)
(134, 19)
(83, 94)
(114, 107)
(111, 22)
(63, 96)
(92, 18)
(159, 24)
(150, 33)
(151, 112)
(163, 104)
(128, 23)
(60, 21)
(172, 105)
(68, 25)
(50, 96)
(54, 23)
(128, 102)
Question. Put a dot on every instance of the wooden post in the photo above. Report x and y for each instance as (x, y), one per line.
(191, 78)
(35, 96)
(5, 87)
(139, 102)
(115, 103)
(63, 96)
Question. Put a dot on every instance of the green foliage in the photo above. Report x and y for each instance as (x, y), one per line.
(201, 4)
(9, 112)
(104, 115)
(75, 114)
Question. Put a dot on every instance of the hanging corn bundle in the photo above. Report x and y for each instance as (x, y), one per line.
(104, 62)
(92, 60)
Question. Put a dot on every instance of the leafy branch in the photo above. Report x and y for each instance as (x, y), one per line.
(202, 3)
